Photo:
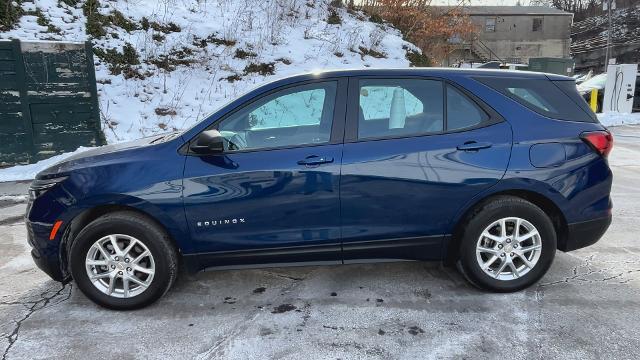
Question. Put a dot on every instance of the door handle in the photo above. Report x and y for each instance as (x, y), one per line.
(315, 160)
(474, 146)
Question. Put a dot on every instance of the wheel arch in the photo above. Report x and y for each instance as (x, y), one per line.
(543, 202)
(86, 216)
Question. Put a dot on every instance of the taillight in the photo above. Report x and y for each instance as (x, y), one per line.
(600, 141)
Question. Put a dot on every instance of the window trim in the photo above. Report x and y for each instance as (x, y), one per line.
(351, 126)
(337, 126)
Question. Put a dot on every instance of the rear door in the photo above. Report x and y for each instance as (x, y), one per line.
(416, 150)
(275, 191)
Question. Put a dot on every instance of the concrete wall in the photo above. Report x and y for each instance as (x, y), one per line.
(514, 36)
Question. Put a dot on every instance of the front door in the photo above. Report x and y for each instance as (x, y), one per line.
(275, 190)
(416, 151)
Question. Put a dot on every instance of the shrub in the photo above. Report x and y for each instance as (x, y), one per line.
(334, 18)
(243, 54)
(9, 14)
(418, 59)
(165, 28)
(232, 78)
(120, 63)
(262, 68)
(284, 61)
(158, 37)
(371, 52)
(118, 19)
(71, 3)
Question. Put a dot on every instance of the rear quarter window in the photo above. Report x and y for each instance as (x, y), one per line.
(554, 99)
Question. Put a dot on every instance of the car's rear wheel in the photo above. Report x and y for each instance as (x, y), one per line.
(123, 261)
(507, 245)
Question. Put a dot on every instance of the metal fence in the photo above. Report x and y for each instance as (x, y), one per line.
(48, 100)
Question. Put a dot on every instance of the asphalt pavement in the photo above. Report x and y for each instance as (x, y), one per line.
(587, 306)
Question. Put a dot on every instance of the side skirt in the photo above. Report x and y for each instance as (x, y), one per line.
(424, 248)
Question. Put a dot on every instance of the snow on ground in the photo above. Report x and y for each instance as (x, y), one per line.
(211, 45)
(615, 119)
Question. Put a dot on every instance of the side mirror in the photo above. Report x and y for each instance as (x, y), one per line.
(208, 142)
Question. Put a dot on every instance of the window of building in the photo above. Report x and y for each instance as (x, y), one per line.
(537, 24)
(490, 24)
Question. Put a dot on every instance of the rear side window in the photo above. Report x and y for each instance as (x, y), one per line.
(400, 107)
(556, 100)
(462, 112)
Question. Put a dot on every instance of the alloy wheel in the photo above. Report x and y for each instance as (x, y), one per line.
(508, 248)
(120, 266)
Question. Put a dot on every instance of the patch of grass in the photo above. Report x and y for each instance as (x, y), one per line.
(164, 111)
(174, 58)
(417, 59)
(119, 20)
(212, 39)
(96, 22)
(144, 23)
(121, 62)
(164, 28)
(334, 18)
(261, 68)
(371, 52)
(232, 78)
(284, 61)
(158, 37)
(71, 3)
(43, 21)
(10, 13)
(243, 54)
(376, 18)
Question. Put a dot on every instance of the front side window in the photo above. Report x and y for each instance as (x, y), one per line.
(295, 116)
(400, 107)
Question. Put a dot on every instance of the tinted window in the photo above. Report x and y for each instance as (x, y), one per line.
(543, 97)
(570, 89)
(462, 112)
(294, 116)
(400, 107)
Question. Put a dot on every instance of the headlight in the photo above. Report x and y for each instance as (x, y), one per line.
(39, 187)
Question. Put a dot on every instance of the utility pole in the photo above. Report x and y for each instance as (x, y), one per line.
(606, 58)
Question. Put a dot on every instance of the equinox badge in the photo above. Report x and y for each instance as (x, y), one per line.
(221, 222)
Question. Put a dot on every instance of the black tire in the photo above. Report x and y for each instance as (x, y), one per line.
(143, 229)
(489, 212)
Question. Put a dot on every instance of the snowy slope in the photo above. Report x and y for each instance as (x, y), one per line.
(210, 47)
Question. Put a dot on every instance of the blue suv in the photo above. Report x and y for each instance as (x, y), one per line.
(491, 171)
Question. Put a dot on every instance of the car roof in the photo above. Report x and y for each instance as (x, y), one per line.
(436, 72)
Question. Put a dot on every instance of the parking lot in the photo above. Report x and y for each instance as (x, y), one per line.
(587, 306)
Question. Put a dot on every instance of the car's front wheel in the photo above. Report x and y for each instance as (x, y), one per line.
(507, 245)
(123, 261)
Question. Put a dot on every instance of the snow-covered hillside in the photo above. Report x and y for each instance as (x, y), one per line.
(164, 64)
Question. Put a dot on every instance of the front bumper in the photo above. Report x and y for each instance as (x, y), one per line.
(585, 233)
(45, 252)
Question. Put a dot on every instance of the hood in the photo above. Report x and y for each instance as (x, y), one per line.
(101, 153)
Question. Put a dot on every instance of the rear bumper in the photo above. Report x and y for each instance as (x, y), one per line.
(585, 233)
